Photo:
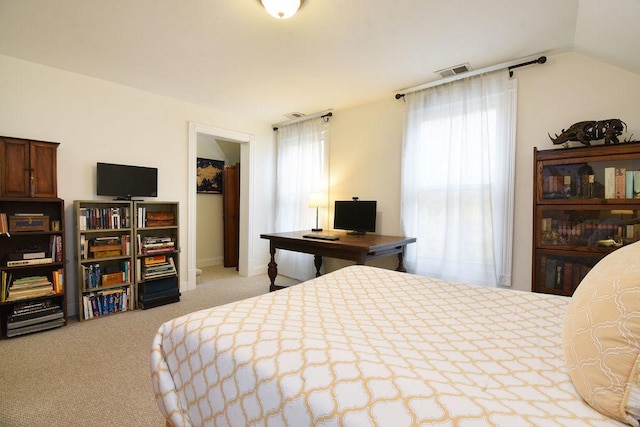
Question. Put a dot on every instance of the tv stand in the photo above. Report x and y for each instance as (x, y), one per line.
(356, 233)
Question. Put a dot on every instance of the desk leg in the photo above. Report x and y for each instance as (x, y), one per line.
(272, 269)
(401, 267)
(317, 261)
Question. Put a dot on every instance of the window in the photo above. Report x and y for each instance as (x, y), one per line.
(458, 175)
(301, 170)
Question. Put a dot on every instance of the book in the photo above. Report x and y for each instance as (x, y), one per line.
(609, 183)
(629, 184)
(567, 280)
(36, 261)
(27, 254)
(5, 278)
(156, 259)
(30, 293)
(620, 185)
(103, 248)
(4, 225)
(107, 254)
(58, 281)
(550, 273)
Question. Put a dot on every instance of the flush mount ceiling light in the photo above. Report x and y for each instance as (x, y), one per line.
(282, 9)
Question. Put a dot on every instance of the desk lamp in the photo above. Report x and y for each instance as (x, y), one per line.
(317, 200)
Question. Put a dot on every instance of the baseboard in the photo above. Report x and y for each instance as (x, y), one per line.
(209, 262)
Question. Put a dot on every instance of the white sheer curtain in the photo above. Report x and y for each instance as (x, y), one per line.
(302, 169)
(458, 179)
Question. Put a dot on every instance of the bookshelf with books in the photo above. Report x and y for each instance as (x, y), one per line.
(104, 260)
(157, 253)
(586, 204)
(32, 289)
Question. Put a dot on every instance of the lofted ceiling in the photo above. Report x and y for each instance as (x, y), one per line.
(232, 56)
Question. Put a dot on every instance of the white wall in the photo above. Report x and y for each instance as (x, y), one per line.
(569, 88)
(366, 141)
(365, 161)
(96, 121)
(100, 121)
(209, 224)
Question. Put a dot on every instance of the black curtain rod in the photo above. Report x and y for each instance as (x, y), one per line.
(324, 117)
(540, 60)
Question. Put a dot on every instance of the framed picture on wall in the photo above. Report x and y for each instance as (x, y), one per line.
(209, 175)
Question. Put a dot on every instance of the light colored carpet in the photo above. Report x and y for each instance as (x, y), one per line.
(97, 372)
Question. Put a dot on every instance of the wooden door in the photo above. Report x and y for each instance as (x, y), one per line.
(28, 168)
(14, 162)
(231, 214)
(43, 169)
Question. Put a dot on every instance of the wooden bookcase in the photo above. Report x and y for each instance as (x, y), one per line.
(586, 204)
(104, 257)
(32, 265)
(157, 253)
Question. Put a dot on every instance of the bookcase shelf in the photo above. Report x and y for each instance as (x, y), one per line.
(157, 253)
(104, 260)
(32, 296)
(127, 256)
(586, 204)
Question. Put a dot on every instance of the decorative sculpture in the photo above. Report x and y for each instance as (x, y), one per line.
(585, 132)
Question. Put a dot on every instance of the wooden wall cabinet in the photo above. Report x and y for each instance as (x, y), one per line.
(586, 204)
(28, 168)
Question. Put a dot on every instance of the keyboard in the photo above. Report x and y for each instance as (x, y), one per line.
(321, 236)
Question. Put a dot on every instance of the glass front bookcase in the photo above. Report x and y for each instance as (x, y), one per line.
(586, 205)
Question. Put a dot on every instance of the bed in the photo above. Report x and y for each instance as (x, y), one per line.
(366, 346)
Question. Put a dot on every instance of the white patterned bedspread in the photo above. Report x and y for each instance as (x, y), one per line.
(365, 346)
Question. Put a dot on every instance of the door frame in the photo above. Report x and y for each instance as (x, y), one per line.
(246, 142)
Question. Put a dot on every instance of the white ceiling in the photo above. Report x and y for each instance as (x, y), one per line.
(232, 56)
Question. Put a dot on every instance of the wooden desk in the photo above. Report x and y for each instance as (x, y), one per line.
(353, 247)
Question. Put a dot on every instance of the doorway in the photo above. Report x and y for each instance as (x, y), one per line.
(245, 142)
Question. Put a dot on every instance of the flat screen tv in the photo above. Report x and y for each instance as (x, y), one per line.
(125, 181)
(355, 216)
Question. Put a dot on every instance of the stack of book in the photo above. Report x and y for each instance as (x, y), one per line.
(34, 316)
(30, 257)
(105, 247)
(30, 287)
(149, 245)
(158, 266)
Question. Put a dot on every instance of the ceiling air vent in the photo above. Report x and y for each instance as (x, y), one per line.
(294, 115)
(455, 70)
